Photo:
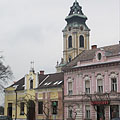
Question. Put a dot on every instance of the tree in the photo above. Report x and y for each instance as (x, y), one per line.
(1, 110)
(72, 110)
(5, 75)
(29, 101)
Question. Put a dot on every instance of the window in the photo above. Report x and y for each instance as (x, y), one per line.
(31, 84)
(99, 86)
(22, 108)
(54, 107)
(69, 88)
(70, 112)
(114, 111)
(70, 58)
(114, 84)
(40, 107)
(87, 87)
(99, 56)
(87, 111)
(70, 42)
(81, 41)
(10, 109)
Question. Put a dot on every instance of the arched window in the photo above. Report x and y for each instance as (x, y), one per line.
(31, 84)
(81, 41)
(69, 59)
(70, 42)
(87, 87)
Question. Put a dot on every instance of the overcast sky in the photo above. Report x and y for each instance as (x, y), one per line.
(31, 30)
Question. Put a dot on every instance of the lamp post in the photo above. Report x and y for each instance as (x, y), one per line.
(15, 86)
(15, 105)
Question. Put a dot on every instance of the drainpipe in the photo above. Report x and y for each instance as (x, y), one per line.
(63, 99)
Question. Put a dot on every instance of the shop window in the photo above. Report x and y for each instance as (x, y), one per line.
(100, 86)
(87, 87)
(87, 111)
(70, 112)
(22, 108)
(114, 111)
(114, 84)
(54, 107)
(31, 84)
(40, 107)
(70, 88)
(70, 42)
(81, 41)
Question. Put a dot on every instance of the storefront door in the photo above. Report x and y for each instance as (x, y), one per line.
(100, 112)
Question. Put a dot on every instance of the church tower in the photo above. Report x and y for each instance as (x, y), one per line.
(75, 34)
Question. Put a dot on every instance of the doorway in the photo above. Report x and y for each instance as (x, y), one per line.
(10, 109)
(31, 110)
(100, 112)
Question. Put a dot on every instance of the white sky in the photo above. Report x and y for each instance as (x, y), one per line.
(31, 30)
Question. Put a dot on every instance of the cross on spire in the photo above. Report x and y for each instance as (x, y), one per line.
(32, 66)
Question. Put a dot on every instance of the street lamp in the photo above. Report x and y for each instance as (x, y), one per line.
(15, 86)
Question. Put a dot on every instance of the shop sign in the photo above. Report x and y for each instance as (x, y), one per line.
(100, 102)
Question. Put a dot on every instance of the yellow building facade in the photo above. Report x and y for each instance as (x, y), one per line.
(32, 97)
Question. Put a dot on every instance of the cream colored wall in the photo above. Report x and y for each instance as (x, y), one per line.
(50, 95)
(10, 96)
(75, 50)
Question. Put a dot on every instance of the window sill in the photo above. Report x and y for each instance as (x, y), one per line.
(40, 114)
(87, 119)
(21, 114)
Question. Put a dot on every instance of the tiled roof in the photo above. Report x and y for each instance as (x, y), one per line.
(52, 80)
(45, 81)
(19, 84)
(86, 55)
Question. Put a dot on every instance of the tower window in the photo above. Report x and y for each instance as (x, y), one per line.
(31, 84)
(81, 41)
(70, 42)
(69, 59)
(99, 56)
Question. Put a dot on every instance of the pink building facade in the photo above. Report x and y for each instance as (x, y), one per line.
(92, 85)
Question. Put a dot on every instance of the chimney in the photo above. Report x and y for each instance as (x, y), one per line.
(93, 47)
(42, 72)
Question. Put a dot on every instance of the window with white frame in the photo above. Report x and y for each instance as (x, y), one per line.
(70, 91)
(87, 111)
(87, 87)
(100, 86)
(70, 112)
(114, 84)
